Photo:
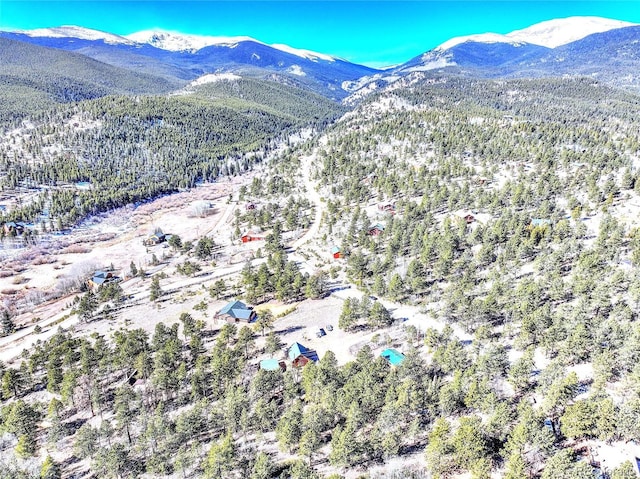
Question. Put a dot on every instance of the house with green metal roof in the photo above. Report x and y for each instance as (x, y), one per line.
(236, 311)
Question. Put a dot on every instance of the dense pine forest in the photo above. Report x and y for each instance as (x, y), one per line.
(130, 149)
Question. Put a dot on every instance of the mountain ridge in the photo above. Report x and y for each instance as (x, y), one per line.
(592, 46)
(312, 71)
(549, 33)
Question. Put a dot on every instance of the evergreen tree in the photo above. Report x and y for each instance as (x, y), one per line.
(50, 470)
(6, 323)
(155, 292)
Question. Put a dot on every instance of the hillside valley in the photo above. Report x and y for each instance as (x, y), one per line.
(234, 273)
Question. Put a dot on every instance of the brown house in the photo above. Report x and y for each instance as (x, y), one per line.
(300, 355)
(387, 207)
(376, 230)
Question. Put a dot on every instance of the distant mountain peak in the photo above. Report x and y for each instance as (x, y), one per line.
(181, 42)
(550, 33)
(72, 31)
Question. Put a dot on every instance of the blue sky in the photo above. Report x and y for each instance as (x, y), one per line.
(376, 33)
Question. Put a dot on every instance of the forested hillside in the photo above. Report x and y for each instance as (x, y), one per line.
(134, 148)
(507, 209)
(501, 212)
(35, 77)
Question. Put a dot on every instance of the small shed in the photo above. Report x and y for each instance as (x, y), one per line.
(336, 252)
(248, 237)
(394, 356)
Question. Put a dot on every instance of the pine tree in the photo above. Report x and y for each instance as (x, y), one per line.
(155, 291)
(50, 470)
(262, 467)
(6, 323)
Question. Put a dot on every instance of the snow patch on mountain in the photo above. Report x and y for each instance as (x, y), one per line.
(70, 31)
(308, 54)
(431, 63)
(296, 70)
(479, 38)
(550, 34)
(213, 78)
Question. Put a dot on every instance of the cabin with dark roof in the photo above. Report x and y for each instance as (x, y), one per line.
(155, 239)
(14, 227)
(100, 278)
(387, 207)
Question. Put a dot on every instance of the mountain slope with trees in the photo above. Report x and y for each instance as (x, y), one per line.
(132, 149)
(61, 77)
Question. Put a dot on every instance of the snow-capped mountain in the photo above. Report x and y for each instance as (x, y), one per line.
(535, 47)
(183, 57)
(307, 54)
(550, 34)
(81, 33)
(599, 47)
(604, 49)
(554, 33)
(179, 42)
